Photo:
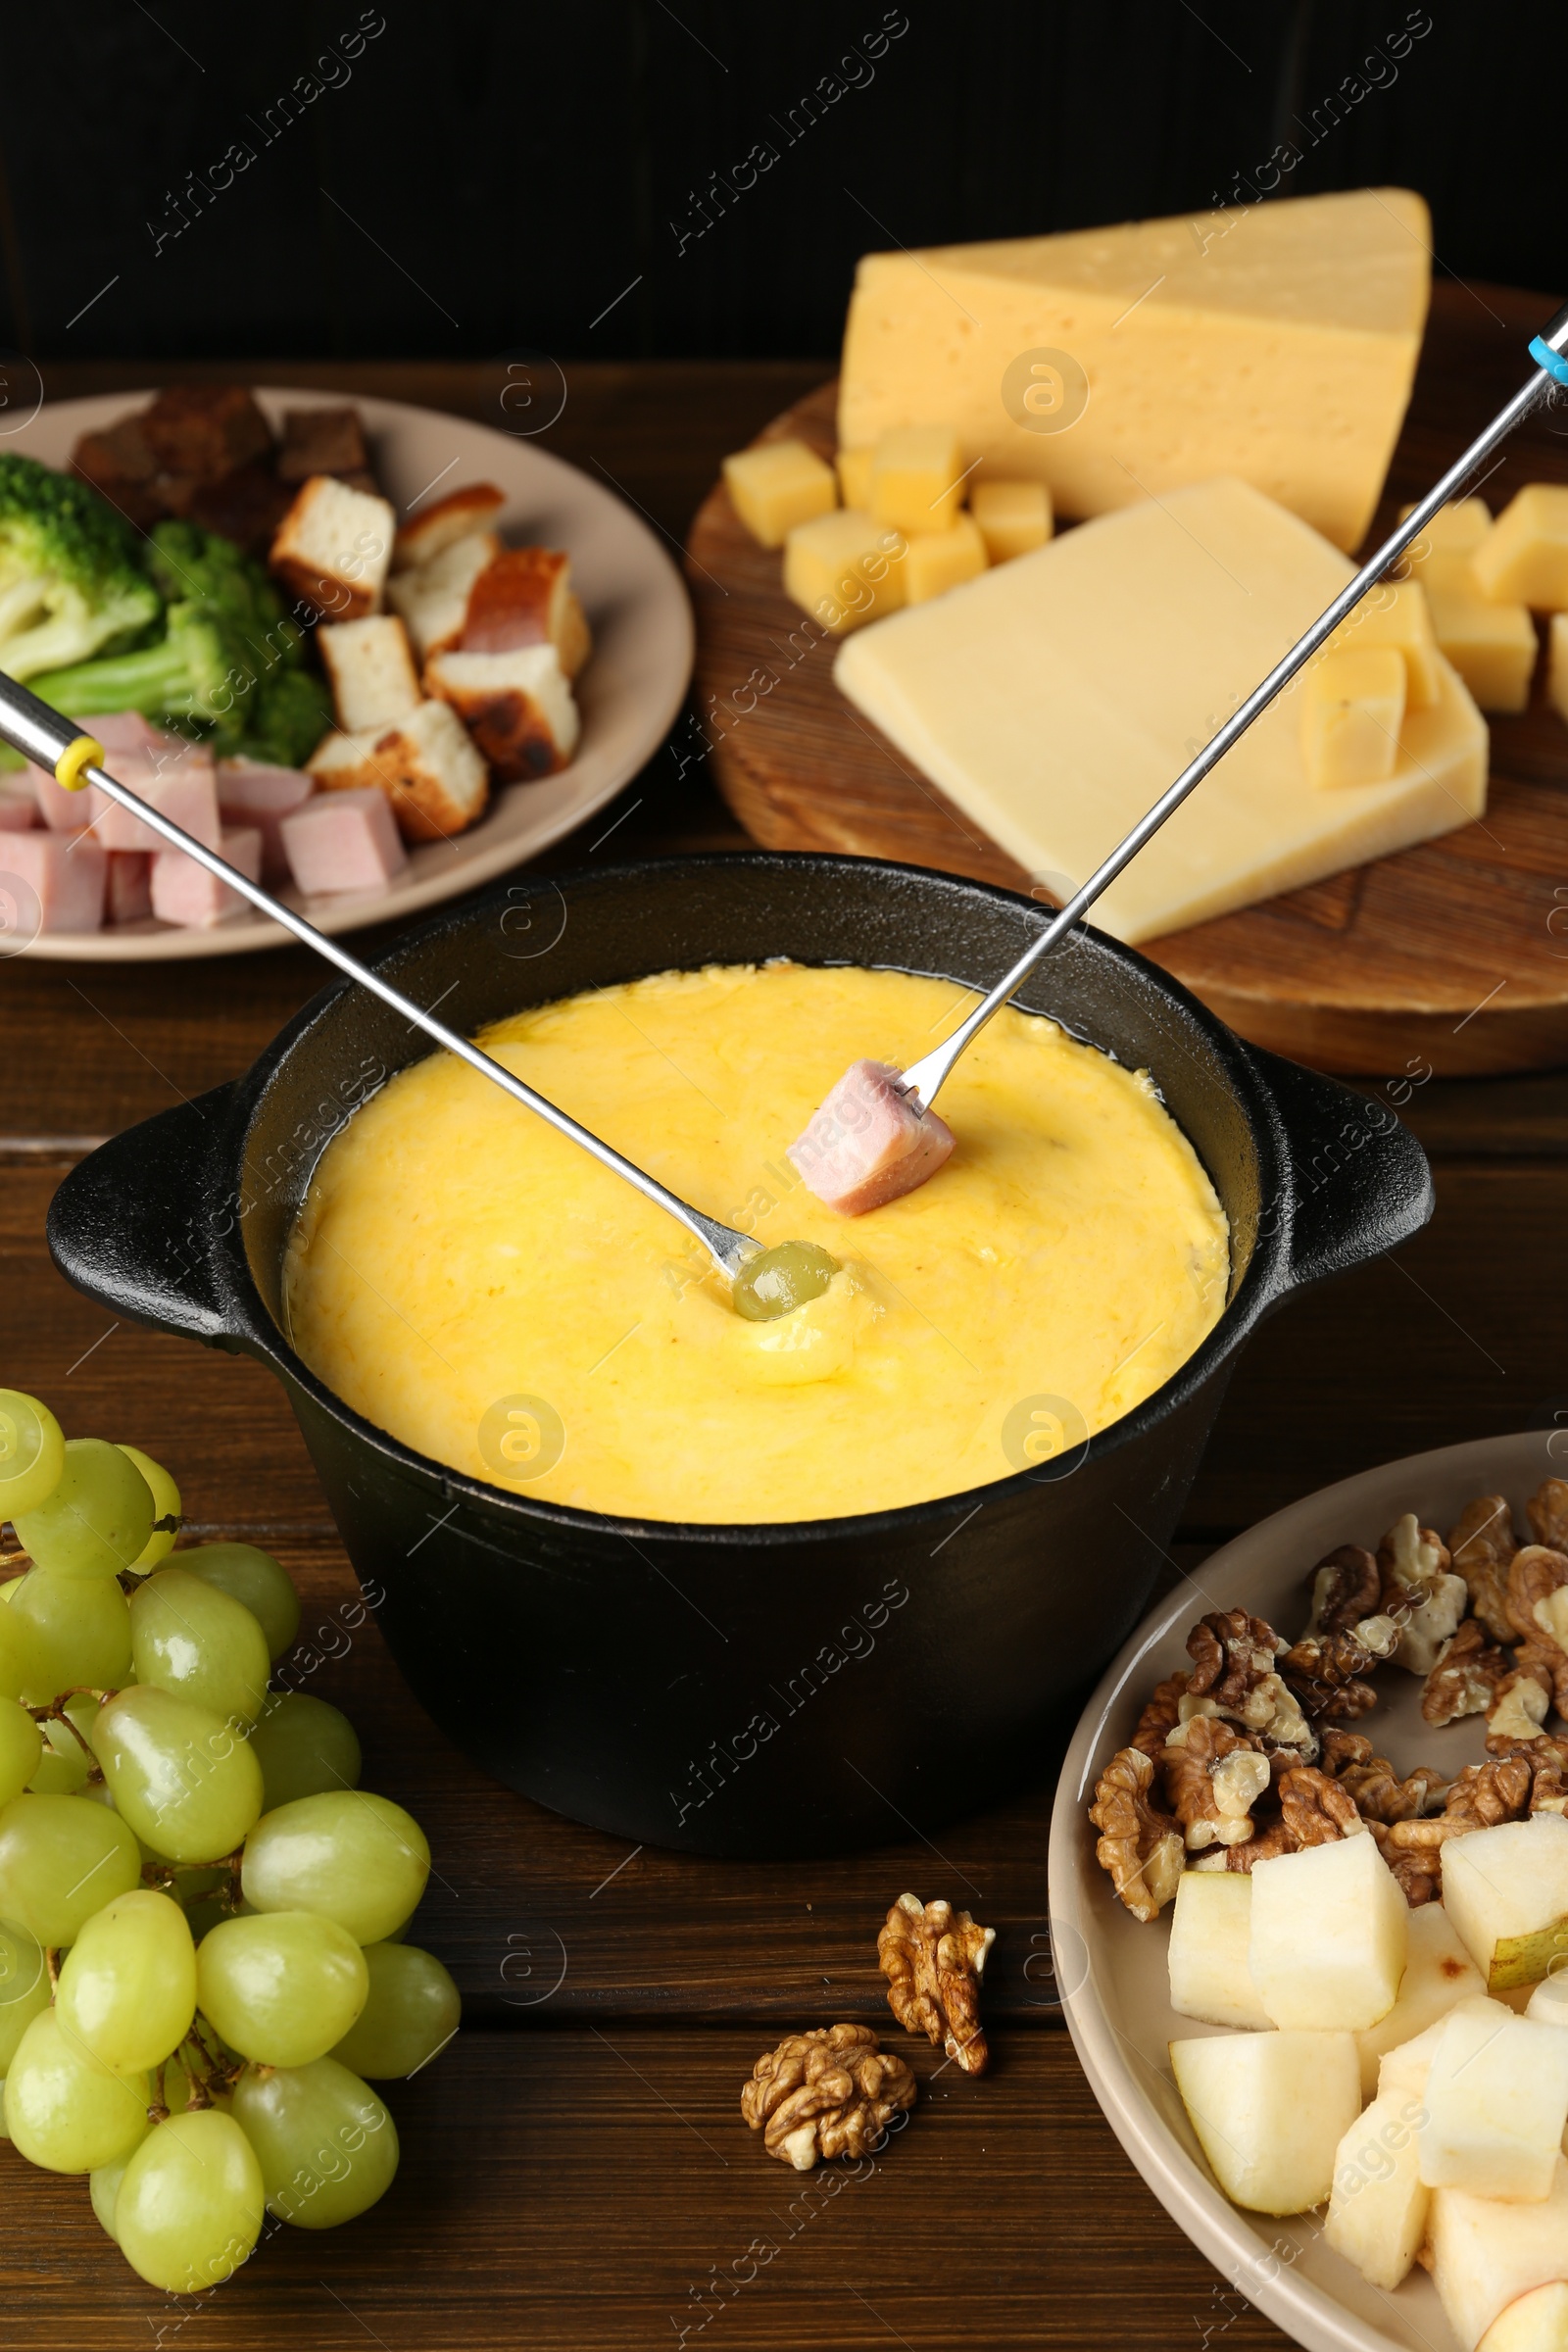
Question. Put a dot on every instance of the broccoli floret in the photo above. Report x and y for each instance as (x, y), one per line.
(71, 577)
(292, 712)
(194, 671)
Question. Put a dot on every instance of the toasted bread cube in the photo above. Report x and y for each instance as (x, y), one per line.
(845, 569)
(917, 478)
(186, 893)
(322, 441)
(1395, 613)
(519, 598)
(1492, 645)
(434, 778)
(517, 707)
(776, 485)
(938, 560)
(333, 548)
(50, 882)
(455, 516)
(1352, 707)
(435, 600)
(129, 895)
(575, 642)
(343, 841)
(1015, 517)
(370, 666)
(854, 469)
(1523, 558)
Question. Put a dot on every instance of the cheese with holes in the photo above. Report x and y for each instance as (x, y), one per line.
(1055, 697)
(1277, 342)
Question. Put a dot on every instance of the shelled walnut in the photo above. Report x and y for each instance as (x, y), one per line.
(1538, 1610)
(1481, 1544)
(1420, 1592)
(830, 2093)
(1548, 1513)
(933, 1958)
(1139, 1845)
(1346, 1587)
(1372, 1784)
(1325, 1670)
(1465, 1678)
(1213, 1775)
(1160, 1715)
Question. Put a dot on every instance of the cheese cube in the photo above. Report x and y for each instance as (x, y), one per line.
(1055, 697)
(1014, 518)
(1210, 1931)
(917, 477)
(1395, 613)
(186, 893)
(938, 560)
(1496, 2103)
(855, 476)
(1352, 707)
(1505, 1890)
(1329, 1937)
(1524, 558)
(777, 485)
(845, 569)
(1557, 663)
(1456, 529)
(1377, 2215)
(1487, 2255)
(1492, 645)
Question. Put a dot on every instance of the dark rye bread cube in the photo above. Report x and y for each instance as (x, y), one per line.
(119, 463)
(203, 432)
(245, 505)
(324, 441)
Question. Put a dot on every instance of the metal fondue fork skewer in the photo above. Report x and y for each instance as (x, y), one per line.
(923, 1078)
(57, 744)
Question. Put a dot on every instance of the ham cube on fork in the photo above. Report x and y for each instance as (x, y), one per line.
(871, 1143)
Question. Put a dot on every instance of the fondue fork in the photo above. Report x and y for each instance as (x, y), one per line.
(57, 744)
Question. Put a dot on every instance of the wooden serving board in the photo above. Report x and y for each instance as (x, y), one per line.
(1450, 958)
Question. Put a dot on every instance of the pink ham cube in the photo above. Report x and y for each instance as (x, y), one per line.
(343, 841)
(178, 781)
(869, 1143)
(250, 793)
(49, 883)
(130, 886)
(16, 816)
(122, 734)
(186, 893)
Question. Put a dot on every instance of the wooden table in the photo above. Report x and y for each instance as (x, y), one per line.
(574, 2168)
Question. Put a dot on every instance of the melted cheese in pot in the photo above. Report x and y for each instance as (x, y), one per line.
(477, 1284)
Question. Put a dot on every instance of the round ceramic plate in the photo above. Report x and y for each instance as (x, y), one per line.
(1112, 1972)
(628, 694)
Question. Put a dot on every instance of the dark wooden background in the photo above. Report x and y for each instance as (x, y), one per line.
(495, 176)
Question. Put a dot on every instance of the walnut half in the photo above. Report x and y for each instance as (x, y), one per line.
(933, 1958)
(1139, 1845)
(831, 2092)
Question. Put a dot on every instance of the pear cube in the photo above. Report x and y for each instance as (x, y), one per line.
(1377, 2215)
(1533, 2322)
(1507, 1892)
(1330, 1935)
(1210, 1931)
(1438, 1973)
(1485, 2256)
(1407, 2067)
(1548, 2003)
(1497, 2102)
(1270, 2111)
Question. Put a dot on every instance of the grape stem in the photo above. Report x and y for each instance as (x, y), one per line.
(55, 1712)
(51, 1956)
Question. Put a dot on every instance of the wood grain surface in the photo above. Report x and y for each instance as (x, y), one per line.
(1450, 952)
(575, 2174)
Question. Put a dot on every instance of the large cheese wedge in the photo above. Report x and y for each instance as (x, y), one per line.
(1277, 342)
(1055, 697)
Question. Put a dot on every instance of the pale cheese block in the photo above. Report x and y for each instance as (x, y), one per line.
(1055, 697)
(1277, 342)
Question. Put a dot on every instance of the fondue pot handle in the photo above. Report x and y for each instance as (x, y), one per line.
(134, 1225)
(1356, 1181)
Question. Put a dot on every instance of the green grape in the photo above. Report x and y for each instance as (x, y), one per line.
(24, 1987)
(61, 1860)
(179, 2090)
(254, 1578)
(304, 1746)
(18, 1664)
(352, 1857)
(281, 1986)
(127, 1988)
(184, 1779)
(166, 1505)
(65, 2109)
(190, 2206)
(103, 2186)
(32, 1453)
(413, 2010)
(78, 1630)
(325, 2144)
(98, 1518)
(189, 1637)
(398, 1932)
(21, 1748)
(66, 1764)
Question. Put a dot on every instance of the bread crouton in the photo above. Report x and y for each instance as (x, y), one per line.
(524, 598)
(333, 548)
(322, 441)
(370, 666)
(435, 600)
(517, 707)
(426, 766)
(454, 517)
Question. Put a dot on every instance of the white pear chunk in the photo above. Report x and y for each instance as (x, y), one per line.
(1438, 1973)
(1269, 2111)
(1329, 1937)
(1407, 2067)
(1533, 2322)
(1507, 1892)
(1497, 2101)
(1377, 2215)
(1548, 2003)
(1211, 1930)
(1485, 2256)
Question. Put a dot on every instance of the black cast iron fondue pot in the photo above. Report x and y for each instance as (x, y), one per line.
(757, 1689)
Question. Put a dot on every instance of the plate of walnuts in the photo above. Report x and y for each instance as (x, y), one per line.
(1335, 1696)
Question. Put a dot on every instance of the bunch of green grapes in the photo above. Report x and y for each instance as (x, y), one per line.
(202, 1965)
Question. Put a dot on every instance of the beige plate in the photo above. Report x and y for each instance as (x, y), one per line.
(629, 693)
(1111, 1972)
